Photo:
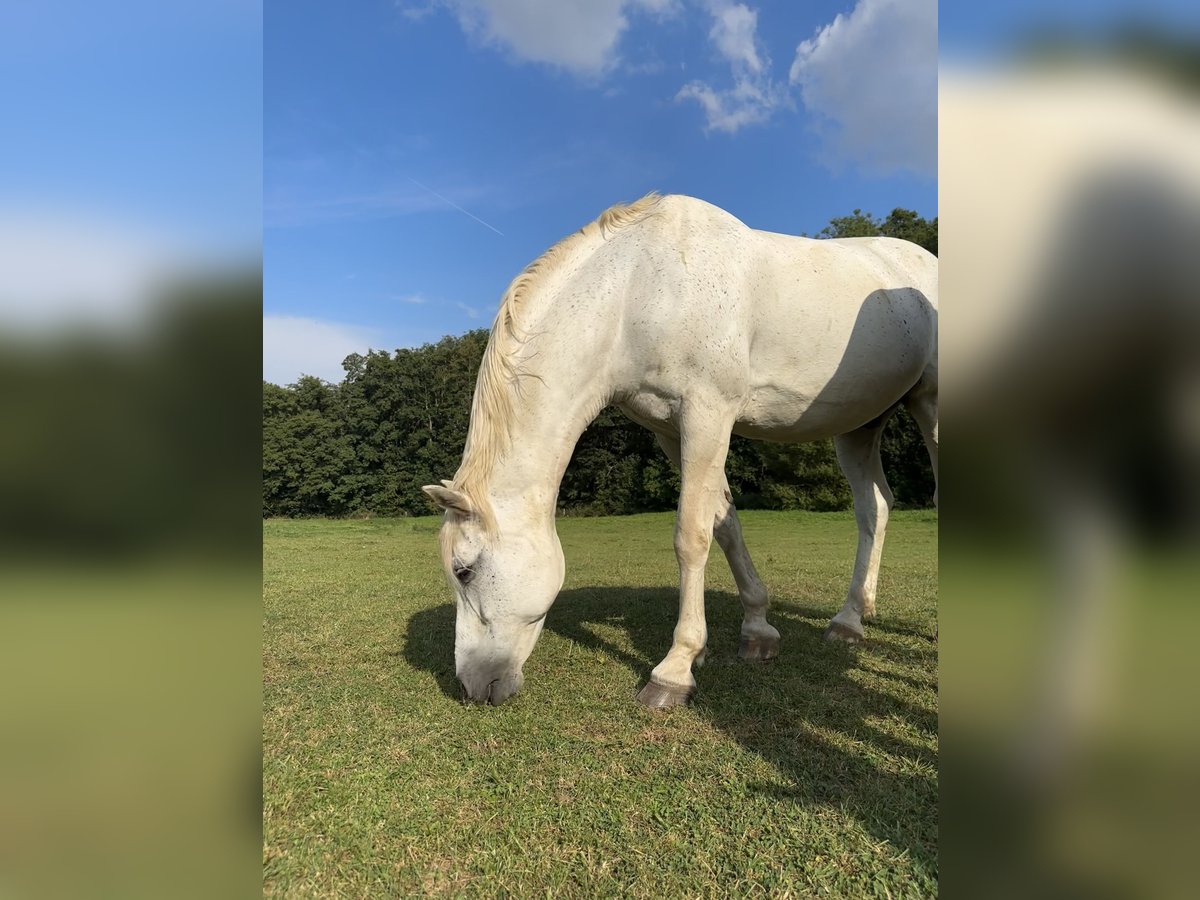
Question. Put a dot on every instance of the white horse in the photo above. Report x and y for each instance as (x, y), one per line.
(697, 327)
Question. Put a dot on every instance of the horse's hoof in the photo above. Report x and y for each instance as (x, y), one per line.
(660, 696)
(758, 648)
(839, 632)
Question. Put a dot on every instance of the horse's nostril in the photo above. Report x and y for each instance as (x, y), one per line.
(466, 694)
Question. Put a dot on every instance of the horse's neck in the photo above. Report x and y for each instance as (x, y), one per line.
(564, 389)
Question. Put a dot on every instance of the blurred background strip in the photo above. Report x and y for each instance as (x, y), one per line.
(1069, 186)
(130, 341)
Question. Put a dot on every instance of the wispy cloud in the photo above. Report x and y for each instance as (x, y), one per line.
(301, 202)
(755, 95)
(456, 206)
(289, 208)
(415, 299)
(415, 12)
(472, 312)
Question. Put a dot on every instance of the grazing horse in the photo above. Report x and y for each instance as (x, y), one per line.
(696, 326)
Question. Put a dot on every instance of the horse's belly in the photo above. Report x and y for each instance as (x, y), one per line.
(804, 401)
(778, 414)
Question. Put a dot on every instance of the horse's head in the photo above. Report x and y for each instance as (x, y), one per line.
(504, 581)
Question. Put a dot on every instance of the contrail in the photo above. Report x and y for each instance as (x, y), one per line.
(455, 205)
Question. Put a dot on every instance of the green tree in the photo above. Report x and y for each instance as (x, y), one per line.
(306, 452)
(900, 223)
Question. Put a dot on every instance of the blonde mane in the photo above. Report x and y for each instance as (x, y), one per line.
(489, 433)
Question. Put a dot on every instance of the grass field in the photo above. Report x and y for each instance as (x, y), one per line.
(815, 773)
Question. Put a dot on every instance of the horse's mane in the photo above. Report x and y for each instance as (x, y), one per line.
(489, 435)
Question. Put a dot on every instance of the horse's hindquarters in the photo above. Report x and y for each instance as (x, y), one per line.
(834, 374)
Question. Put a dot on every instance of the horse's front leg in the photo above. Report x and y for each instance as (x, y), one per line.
(759, 639)
(704, 437)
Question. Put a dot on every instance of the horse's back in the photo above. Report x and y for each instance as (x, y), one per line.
(811, 337)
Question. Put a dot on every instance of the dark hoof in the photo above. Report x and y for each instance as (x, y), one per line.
(758, 648)
(660, 696)
(839, 632)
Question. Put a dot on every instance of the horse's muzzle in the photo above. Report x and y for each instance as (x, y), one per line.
(492, 692)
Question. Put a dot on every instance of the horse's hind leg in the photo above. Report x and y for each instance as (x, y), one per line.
(759, 638)
(922, 404)
(858, 455)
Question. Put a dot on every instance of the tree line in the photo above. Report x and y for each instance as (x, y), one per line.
(398, 421)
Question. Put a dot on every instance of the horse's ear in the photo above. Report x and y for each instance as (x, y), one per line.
(445, 496)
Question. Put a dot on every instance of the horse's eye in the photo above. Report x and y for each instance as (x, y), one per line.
(464, 574)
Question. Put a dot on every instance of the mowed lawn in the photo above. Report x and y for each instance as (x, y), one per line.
(815, 773)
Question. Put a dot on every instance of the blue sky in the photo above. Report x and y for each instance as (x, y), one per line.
(418, 154)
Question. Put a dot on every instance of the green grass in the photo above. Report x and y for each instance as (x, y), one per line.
(815, 773)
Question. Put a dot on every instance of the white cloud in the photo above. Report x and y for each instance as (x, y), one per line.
(580, 36)
(411, 298)
(295, 346)
(472, 312)
(871, 78)
(868, 78)
(415, 12)
(754, 95)
(744, 104)
(734, 33)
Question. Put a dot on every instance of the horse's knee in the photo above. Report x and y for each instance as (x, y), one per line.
(871, 514)
(691, 544)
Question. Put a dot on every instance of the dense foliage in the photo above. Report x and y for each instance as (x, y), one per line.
(398, 421)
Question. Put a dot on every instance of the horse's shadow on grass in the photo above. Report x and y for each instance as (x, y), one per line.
(803, 712)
